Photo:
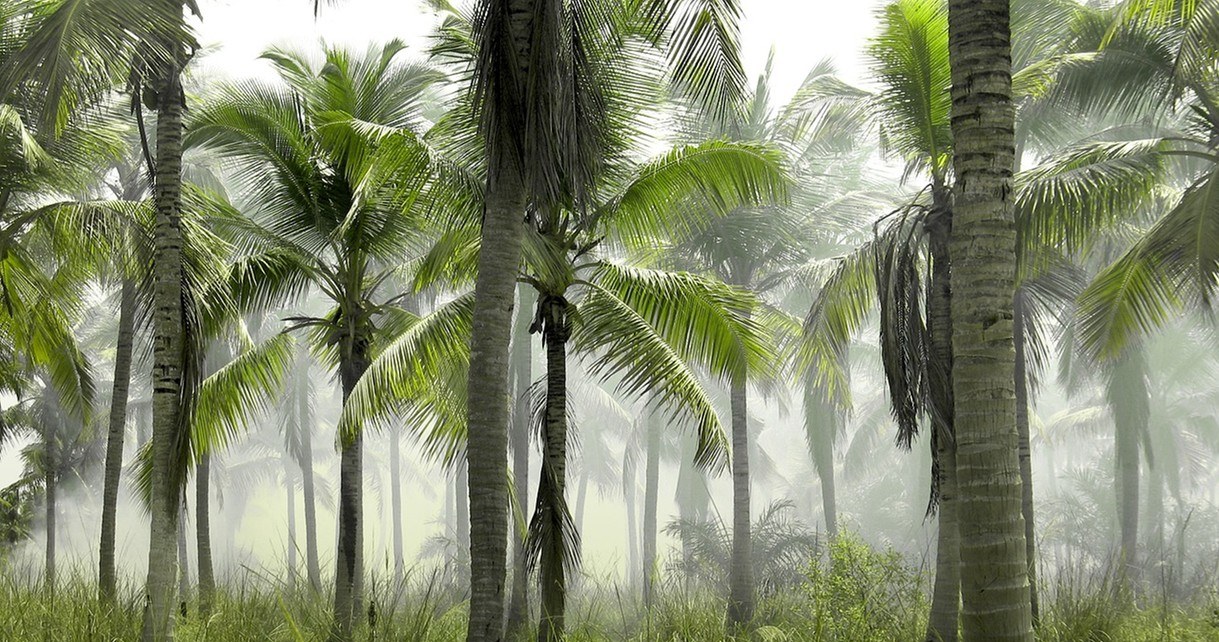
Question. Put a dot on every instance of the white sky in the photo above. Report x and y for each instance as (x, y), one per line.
(802, 32)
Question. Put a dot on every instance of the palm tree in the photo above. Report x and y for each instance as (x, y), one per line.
(77, 50)
(541, 137)
(329, 218)
(994, 569)
(642, 325)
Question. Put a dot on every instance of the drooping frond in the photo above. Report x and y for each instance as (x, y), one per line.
(245, 386)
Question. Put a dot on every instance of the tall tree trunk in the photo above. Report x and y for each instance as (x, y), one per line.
(489, 392)
(1130, 404)
(581, 500)
(350, 558)
(821, 425)
(106, 576)
(634, 563)
(740, 576)
(290, 484)
(168, 342)
(203, 535)
(462, 499)
(994, 569)
(395, 499)
(48, 445)
(553, 524)
(943, 624)
(522, 366)
(308, 492)
(651, 494)
(183, 562)
(1026, 452)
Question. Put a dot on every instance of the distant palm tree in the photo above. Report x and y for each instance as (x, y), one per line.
(317, 154)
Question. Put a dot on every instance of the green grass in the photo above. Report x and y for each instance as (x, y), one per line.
(856, 594)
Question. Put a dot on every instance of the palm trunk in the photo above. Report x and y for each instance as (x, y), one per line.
(395, 499)
(462, 504)
(740, 578)
(203, 535)
(349, 558)
(651, 493)
(51, 492)
(633, 560)
(106, 576)
(183, 562)
(581, 500)
(943, 623)
(168, 342)
(489, 391)
(522, 365)
(305, 425)
(1026, 455)
(1130, 404)
(994, 568)
(293, 571)
(821, 425)
(552, 520)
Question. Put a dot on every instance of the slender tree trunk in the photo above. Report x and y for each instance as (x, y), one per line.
(349, 558)
(308, 492)
(1130, 404)
(553, 522)
(462, 503)
(650, 497)
(168, 342)
(106, 576)
(581, 500)
(943, 623)
(183, 562)
(821, 425)
(522, 366)
(634, 563)
(740, 578)
(290, 485)
(203, 535)
(1026, 453)
(489, 392)
(51, 492)
(994, 569)
(395, 499)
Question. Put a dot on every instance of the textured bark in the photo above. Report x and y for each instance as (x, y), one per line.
(203, 535)
(462, 504)
(552, 505)
(395, 499)
(522, 366)
(1026, 456)
(489, 391)
(994, 569)
(168, 342)
(349, 557)
(651, 494)
(305, 419)
(943, 623)
(740, 575)
(106, 575)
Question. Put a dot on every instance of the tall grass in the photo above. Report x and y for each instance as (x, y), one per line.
(851, 593)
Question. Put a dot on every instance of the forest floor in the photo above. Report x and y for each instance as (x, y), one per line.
(853, 594)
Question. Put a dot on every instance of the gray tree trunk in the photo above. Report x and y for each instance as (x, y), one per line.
(349, 558)
(489, 392)
(183, 562)
(203, 535)
(522, 366)
(168, 341)
(651, 494)
(395, 498)
(552, 513)
(106, 575)
(1026, 453)
(994, 569)
(740, 577)
(293, 569)
(305, 419)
